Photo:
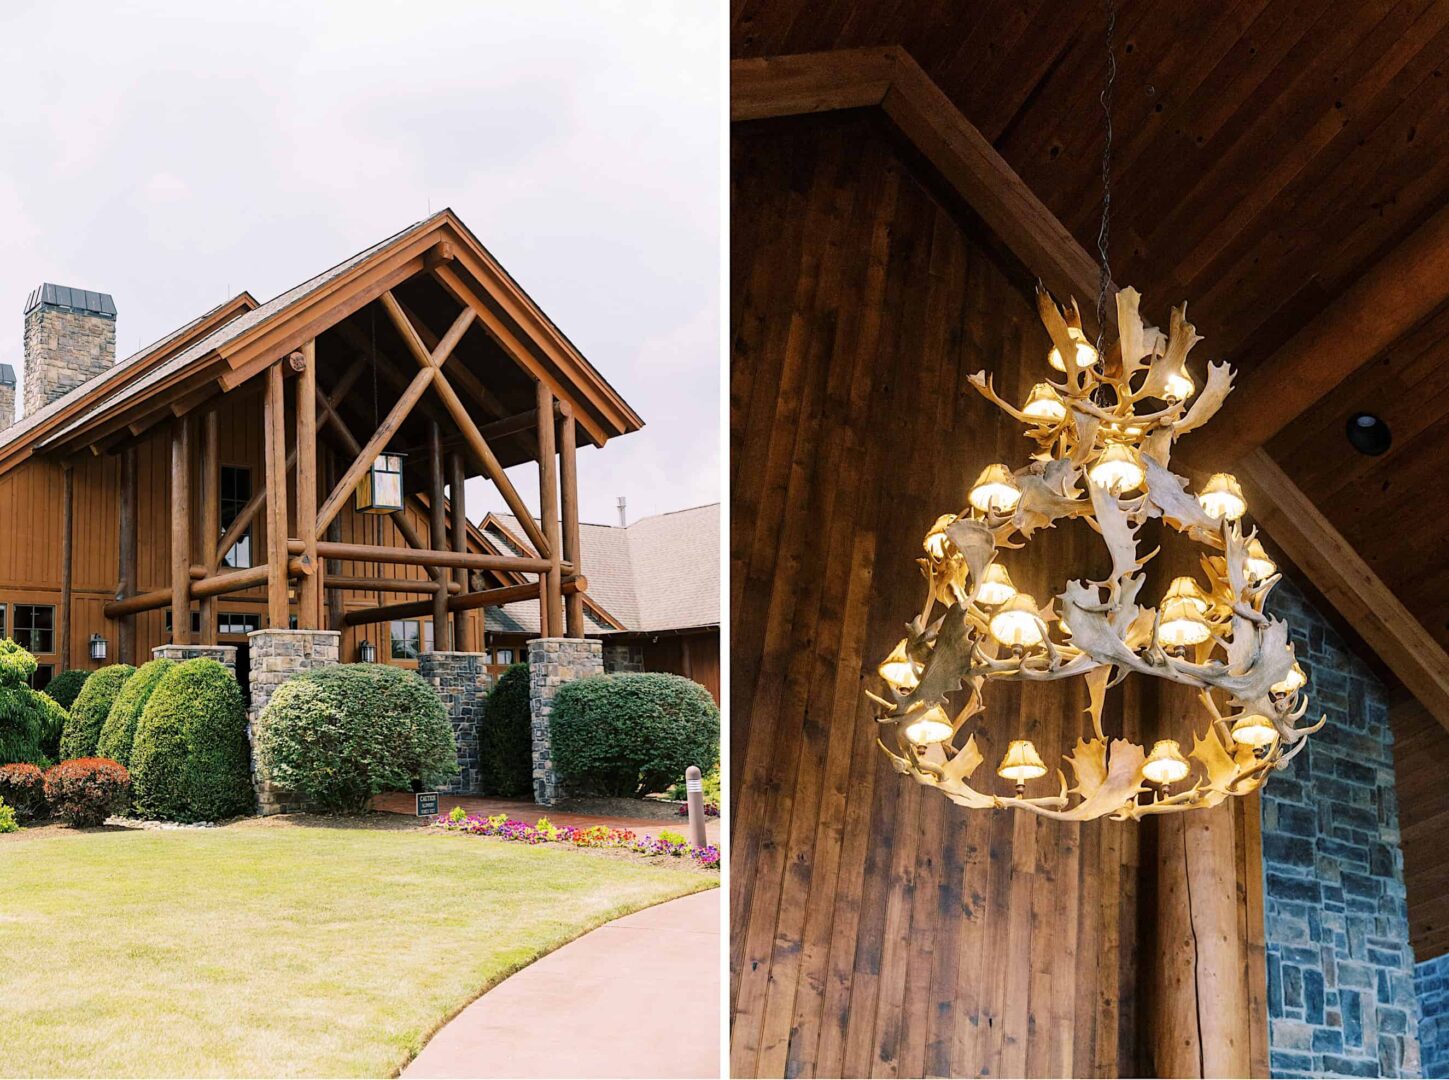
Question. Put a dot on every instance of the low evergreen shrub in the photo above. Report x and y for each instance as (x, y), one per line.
(630, 735)
(64, 687)
(118, 734)
(92, 706)
(339, 735)
(86, 791)
(7, 819)
(190, 759)
(22, 787)
(30, 722)
(505, 737)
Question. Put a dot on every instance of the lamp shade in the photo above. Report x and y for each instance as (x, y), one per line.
(1083, 353)
(1254, 730)
(1291, 682)
(1182, 624)
(996, 587)
(899, 670)
(1222, 497)
(1117, 469)
(381, 490)
(995, 490)
(1021, 762)
(1017, 622)
(1165, 765)
(927, 726)
(1180, 386)
(1045, 404)
(937, 543)
(1256, 563)
(1186, 588)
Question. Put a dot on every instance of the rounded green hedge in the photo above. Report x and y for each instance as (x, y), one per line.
(632, 735)
(505, 737)
(339, 735)
(118, 734)
(64, 687)
(92, 706)
(190, 760)
(31, 723)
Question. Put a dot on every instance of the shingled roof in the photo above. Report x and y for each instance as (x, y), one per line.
(659, 574)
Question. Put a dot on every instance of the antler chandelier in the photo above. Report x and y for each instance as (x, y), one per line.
(1104, 434)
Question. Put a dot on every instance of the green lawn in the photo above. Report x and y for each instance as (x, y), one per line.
(267, 950)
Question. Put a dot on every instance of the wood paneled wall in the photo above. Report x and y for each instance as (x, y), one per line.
(876, 928)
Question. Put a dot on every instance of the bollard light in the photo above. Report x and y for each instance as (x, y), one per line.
(694, 789)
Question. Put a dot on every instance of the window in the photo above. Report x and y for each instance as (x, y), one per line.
(35, 628)
(232, 622)
(2, 620)
(503, 656)
(195, 622)
(43, 674)
(411, 637)
(236, 492)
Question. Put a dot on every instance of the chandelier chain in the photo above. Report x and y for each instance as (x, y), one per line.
(1104, 274)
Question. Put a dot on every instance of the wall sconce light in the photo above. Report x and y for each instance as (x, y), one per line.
(367, 652)
(98, 647)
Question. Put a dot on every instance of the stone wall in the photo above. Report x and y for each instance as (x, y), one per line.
(1341, 998)
(277, 655)
(7, 404)
(623, 659)
(223, 654)
(1432, 981)
(63, 349)
(551, 663)
(462, 681)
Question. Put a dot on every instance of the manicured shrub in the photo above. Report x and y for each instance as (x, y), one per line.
(64, 687)
(92, 706)
(22, 787)
(339, 735)
(189, 759)
(119, 731)
(505, 737)
(86, 791)
(30, 722)
(7, 819)
(632, 734)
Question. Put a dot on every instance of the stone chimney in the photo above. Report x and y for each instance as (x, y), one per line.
(70, 337)
(7, 395)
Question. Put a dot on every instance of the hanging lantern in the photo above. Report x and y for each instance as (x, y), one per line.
(367, 652)
(381, 490)
(98, 647)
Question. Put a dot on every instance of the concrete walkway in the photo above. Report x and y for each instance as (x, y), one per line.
(638, 997)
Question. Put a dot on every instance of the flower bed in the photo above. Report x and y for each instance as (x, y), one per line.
(594, 836)
(710, 810)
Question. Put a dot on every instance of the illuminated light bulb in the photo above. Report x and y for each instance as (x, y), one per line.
(1165, 765)
(1257, 564)
(1254, 730)
(1021, 763)
(1182, 623)
(1180, 386)
(1045, 404)
(1017, 623)
(1117, 469)
(1223, 497)
(1186, 588)
(1085, 355)
(900, 671)
(929, 726)
(995, 491)
(1291, 682)
(996, 587)
(937, 543)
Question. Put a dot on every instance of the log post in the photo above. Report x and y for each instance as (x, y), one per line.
(309, 592)
(181, 531)
(333, 566)
(126, 555)
(457, 497)
(67, 564)
(548, 511)
(569, 482)
(438, 523)
(209, 492)
(274, 413)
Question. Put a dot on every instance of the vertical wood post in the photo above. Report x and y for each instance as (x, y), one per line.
(548, 510)
(334, 566)
(438, 528)
(67, 564)
(457, 498)
(126, 555)
(569, 482)
(310, 590)
(209, 492)
(181, 531)
(274, 411)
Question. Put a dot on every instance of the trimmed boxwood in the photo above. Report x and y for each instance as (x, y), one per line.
(30, 722)
(631, 734)
(341, 734)
(64, 687)
(189, 759)
(505, 737)
(119, 731)
(92, 706)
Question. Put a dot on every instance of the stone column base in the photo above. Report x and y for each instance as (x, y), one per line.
(462, 681)
(277, 655)
(551, 663)
(222, 654)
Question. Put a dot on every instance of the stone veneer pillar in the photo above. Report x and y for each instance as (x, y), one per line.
(277, 655)
(551, 663)
(222, 654)
(462, 681)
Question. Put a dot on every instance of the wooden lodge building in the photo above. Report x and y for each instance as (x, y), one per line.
(295, 465)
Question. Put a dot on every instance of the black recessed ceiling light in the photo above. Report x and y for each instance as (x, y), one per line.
(1368, 434)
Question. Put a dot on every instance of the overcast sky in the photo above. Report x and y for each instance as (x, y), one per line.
(173, 154)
